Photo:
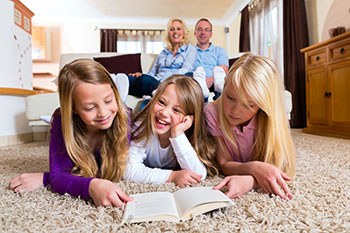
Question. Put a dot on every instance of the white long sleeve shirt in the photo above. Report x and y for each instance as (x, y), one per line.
(153, 164)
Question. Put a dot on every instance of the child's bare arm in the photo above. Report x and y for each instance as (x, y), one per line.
(225, 160)
(268, 177)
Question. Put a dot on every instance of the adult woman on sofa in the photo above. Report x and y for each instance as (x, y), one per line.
(178, 57)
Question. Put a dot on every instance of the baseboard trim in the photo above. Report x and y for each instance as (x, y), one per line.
(18, 139)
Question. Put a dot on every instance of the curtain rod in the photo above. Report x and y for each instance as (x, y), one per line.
(250, 2)
(129, 29)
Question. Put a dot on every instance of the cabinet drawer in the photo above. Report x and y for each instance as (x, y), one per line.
(317, 58)
(340, 50)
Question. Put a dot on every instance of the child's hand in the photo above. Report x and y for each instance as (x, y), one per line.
(270, 178)
(183, 178)
(182, 126)
(237, 185)
(26, 182)
(106, 193)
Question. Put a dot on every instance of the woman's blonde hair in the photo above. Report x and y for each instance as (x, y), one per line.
(185, 39)
(114, 149)
(191, 101)
(257, 77)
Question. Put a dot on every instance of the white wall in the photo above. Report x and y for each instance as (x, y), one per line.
(316, 12)
(16, 68)
(233, 36)
(16, 65)
(80, 28)
(12, 116)
(338, 15)
(8, 65)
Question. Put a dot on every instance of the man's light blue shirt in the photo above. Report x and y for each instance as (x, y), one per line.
(211, 57)
(166, 64)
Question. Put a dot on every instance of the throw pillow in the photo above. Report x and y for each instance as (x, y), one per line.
(231, 61)
(128, 63)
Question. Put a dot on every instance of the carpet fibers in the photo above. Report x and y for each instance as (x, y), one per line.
(321, 198)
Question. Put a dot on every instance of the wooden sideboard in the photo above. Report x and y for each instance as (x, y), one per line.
(328, 87)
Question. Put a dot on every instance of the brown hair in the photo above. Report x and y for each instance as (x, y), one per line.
(206, 20)
(114, 148)
(191, 101)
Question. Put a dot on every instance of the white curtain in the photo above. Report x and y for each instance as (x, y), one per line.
(139, 41)
(266, 30)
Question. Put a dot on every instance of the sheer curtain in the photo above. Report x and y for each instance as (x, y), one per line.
(266, 30)
(131, 40)
(140, 41)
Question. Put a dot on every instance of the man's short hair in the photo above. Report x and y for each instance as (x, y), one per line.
(206, 20)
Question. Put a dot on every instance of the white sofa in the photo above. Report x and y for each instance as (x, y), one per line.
(39, 106)
(146, 63)
(43, 104)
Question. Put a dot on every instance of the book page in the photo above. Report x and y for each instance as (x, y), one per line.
(188, 198)
(146, 205)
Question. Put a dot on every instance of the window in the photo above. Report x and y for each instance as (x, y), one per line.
(140, 41)
(40, 43)
(266, 30)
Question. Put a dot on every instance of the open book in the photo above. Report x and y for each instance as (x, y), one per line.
(181, 205)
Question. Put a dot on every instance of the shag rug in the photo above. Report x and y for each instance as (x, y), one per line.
(321, 198)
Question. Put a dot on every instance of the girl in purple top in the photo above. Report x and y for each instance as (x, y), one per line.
(251, 129)
(89, 138)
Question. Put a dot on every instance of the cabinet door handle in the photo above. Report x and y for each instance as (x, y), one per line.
(317, 58)
(342, 50)
(327, 94)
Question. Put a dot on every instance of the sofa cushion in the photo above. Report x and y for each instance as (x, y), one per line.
(128, 63)
(231, 61)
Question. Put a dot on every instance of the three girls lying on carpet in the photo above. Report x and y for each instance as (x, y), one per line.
(169, 141)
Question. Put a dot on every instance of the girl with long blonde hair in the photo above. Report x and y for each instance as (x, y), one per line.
(250, 127)
(170, 142)
(89, 137)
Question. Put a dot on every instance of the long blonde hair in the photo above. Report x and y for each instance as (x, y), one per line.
(191, 101)
(114, 149)
(185, 39)
(257, 77)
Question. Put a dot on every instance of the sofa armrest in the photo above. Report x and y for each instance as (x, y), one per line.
(287, 102)
(41, 105)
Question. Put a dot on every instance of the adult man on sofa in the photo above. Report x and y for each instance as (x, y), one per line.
(212, 61)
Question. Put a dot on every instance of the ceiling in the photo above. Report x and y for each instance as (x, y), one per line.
(216, 10)
(162, 8)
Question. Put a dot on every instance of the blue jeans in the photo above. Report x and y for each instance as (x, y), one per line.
(144, 103)
(143, 85)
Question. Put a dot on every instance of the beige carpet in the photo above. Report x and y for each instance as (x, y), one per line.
(321, 198)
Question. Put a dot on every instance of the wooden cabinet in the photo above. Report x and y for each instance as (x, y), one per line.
(328, 87)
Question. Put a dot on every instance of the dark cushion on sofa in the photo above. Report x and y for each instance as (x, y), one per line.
(231, 61)
(128, 63)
